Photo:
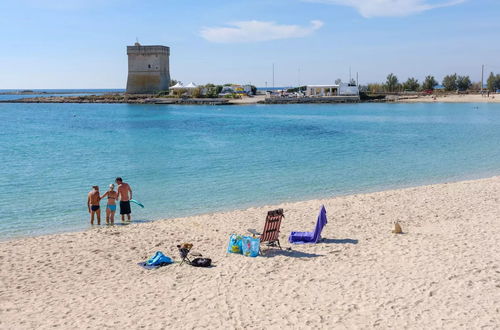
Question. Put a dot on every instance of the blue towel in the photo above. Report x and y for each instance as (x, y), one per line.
(146, 266)
(310, 237)
(156, 261)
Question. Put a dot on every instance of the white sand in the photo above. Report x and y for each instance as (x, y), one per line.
(248, 99)
(447, 98)
(452, 98)
(443, 273)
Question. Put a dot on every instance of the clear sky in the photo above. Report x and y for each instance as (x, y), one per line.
(82, 43)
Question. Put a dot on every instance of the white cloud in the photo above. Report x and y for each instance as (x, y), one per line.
(371, 8)
(253, 31)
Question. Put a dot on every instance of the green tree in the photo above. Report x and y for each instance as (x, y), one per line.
(196, 93)
(173, 82)
(212, 91)
(463, 83)
(375, 88)
(429, 83)
(411, 85)
(450, 82)
(179, 92)
(392, 83)
(493, 82)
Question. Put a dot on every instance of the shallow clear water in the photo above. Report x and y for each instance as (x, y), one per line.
(183, 160)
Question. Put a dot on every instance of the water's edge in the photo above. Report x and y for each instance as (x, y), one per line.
(270, 205)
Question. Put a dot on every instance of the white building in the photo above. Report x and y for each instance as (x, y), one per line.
(341, 89)
(348, 90)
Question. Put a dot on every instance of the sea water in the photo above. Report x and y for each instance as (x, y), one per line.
(186, 160)
(15, 94)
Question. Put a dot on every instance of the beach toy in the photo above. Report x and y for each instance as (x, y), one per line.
(136, 202)
(397, 228)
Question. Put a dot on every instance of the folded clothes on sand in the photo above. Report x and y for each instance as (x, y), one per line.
(310, 237)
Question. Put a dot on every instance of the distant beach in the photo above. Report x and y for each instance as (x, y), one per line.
(453, 98)
(443, 272)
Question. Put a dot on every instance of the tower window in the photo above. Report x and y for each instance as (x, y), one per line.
(149, 66)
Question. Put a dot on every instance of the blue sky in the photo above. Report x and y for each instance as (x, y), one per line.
(81, 43)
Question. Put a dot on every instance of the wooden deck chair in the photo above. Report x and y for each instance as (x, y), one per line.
(271, 233)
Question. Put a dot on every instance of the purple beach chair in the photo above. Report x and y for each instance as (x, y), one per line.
(310, 237)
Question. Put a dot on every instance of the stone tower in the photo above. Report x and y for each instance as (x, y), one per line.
(148, 69)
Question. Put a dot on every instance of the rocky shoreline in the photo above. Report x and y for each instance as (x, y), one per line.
(294, 100)
(259, 99)
(119, 98)
(148, 99)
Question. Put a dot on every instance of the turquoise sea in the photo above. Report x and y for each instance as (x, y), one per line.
(185, 160)
(16, 94)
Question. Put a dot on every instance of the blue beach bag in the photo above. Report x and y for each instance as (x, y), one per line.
(159, 259)
(250, 246)
(235, 244)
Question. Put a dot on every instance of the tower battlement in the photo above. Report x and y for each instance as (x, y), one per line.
(148, 50)
(148, 69)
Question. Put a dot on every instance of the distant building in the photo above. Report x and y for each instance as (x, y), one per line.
(341, 89)
(148, 69)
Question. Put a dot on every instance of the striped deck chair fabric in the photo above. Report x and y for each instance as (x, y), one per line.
(271, 231)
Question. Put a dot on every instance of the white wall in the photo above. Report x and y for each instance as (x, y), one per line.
(345, 89)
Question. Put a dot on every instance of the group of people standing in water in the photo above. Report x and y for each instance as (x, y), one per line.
(123, 194)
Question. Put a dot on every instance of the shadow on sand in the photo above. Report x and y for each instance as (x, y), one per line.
(339, 241)
(271, 253)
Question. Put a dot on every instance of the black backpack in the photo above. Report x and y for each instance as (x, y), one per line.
(201, 262)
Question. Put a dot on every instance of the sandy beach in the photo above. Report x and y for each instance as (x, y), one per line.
(452, 98)
(248, 100)
(444, 272)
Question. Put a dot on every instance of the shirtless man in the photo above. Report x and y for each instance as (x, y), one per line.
(124, 195)
(93, 203)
